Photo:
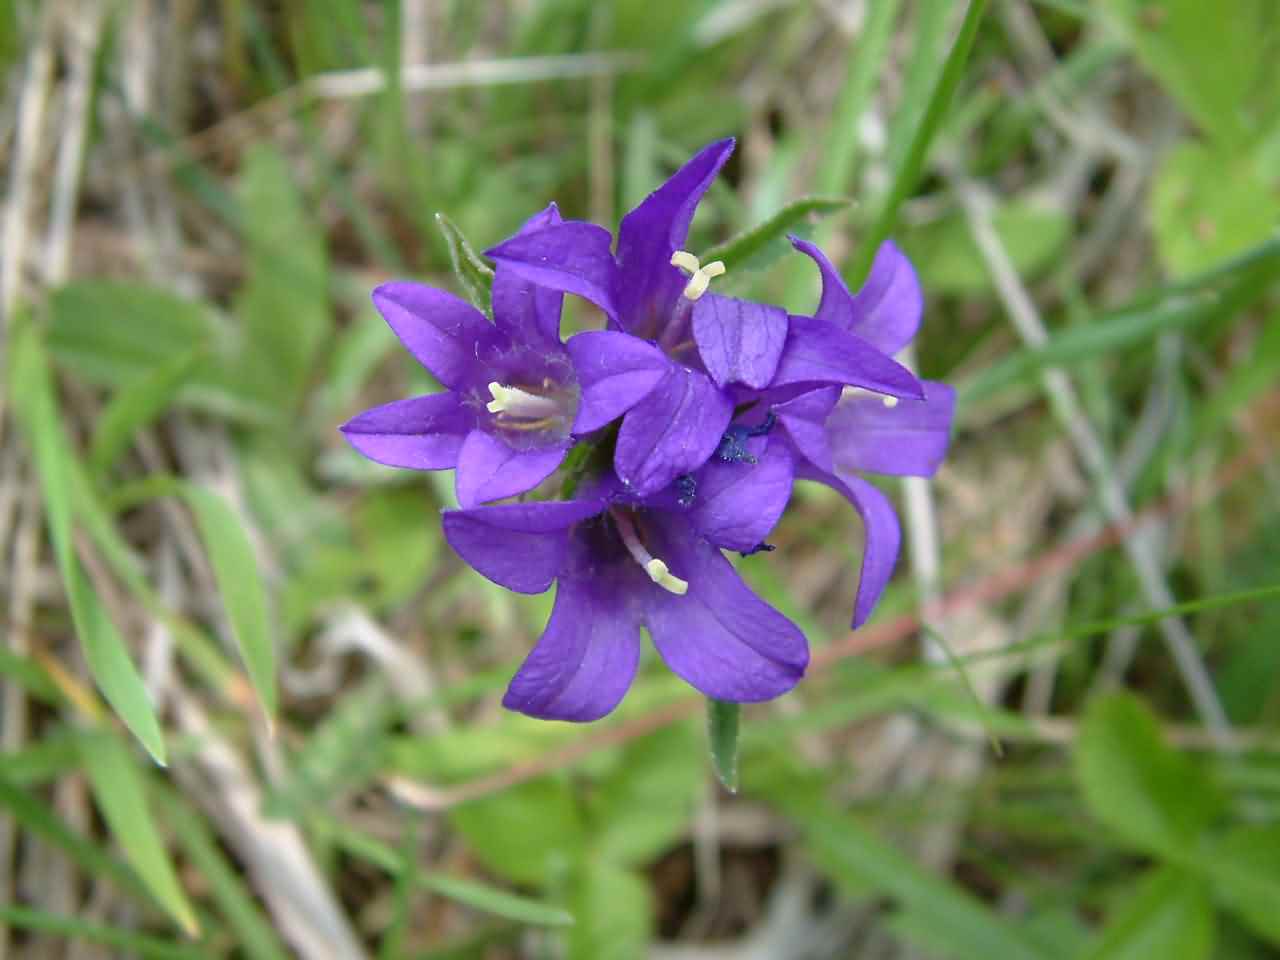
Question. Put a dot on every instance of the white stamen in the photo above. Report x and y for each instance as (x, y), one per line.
(890, 402)
(519, 403)
(659, 574)
(658, 571)
(699, 276)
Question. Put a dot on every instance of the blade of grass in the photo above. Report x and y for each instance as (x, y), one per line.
(908, 174)
(76, 929)
(120, 794)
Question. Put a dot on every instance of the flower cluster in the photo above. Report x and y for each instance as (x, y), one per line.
(689, 418)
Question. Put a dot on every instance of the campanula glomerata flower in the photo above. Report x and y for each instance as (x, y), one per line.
(620, 562)
(503, 422)
(676, 359)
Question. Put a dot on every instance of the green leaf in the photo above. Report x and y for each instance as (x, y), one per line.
(861, 861)
(948, 259)
(646, 802)
(104, 648)
(907, 175)
(500, 903)
(1151, 795)
(1243, 868)
(752, 248)
(528, 833)
(120, 793)
(1217, 59)
(614, 913)
(1169, 916)
(474, 273)
(235, 567)
(77, 929)
(285, 303)
(136, 404)
(722, 731)
(1208, 205)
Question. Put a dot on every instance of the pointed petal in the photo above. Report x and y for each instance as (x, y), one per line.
(836, 305)
(887, 309)
(882, 536)
(736, 505)
(520, 546)
(674, 431)
(740, 341)
(615, 372)
(446, 335)
(421, 433)
(908, 439)
(528, 313)
(885, 312)
(653, 231)
(586, 658)
(488, 469)
(819, 352)
(719, 636)
(572, 257)
(804, 419)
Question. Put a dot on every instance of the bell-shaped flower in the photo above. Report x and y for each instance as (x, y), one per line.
(505, 418)
(621, 562)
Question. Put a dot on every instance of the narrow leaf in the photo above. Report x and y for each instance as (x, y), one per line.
(497, 902)
(77, 929)
(474, 273)
(104, 648)
(120, 794)
(722, 730)
(136, 404)
(236, 569)
(746, 247)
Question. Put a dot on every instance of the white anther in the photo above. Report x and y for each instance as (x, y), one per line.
(519, 403)
(890, 402)
(699, 276)
(659, 574)
(658, 571)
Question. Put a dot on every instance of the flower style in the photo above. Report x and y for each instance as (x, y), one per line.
(621, 562)
(504, 419)
(676, 359)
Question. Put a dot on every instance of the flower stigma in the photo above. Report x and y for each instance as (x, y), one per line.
(657, 570)
(699, 276)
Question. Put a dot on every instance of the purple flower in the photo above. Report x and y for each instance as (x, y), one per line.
(504, 421)
(621, 562)
(835, 433)
(676, 359)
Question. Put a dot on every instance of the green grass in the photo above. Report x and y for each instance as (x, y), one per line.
(200, 573)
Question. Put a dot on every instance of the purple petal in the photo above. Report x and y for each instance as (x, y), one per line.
(572, 257)
(804, 419)
(836, 305)
(719, 636)
(908, 439)
(887, 309)
(654, 230)
(488, 469)
(520, 546)
(674, 431)
(526, 312)
(615, 372)
(586, 658)
(421, 433)
(735, 505)
(446, 335)
(740, 341)
(819, 352)
(881, 540)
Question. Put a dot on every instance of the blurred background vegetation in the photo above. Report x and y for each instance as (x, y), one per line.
(1059, 737)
